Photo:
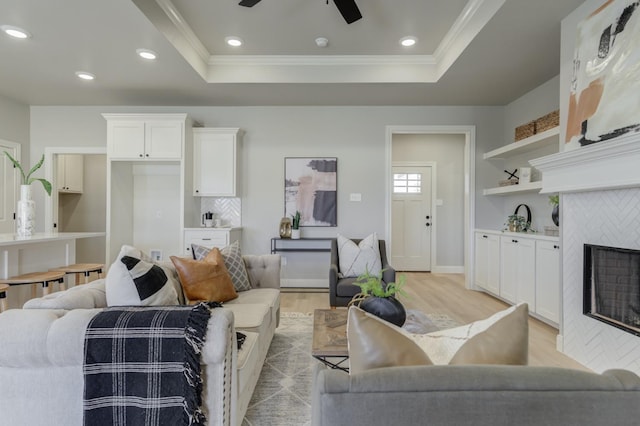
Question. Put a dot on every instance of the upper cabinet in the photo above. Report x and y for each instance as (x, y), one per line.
(548, 138)
(145, 136)
(70, 173)
(215, 162)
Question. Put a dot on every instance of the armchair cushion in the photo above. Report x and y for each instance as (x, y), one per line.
(356, 259)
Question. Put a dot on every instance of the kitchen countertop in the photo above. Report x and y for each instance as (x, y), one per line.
(534, 235)
(42, 237)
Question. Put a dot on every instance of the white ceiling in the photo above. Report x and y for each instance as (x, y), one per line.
(470, 52)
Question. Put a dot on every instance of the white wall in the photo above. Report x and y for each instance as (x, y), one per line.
(447, 151)
(14, 124)
(356, 135)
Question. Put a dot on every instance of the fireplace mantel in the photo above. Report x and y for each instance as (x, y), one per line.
(603, 165)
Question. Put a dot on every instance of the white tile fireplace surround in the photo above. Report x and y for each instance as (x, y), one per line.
(600, 204)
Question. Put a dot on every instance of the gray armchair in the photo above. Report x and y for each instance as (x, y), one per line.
(341, 290)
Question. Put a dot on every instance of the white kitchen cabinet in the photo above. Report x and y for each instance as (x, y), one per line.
(215, 162)
(210, 237)
(145, 136)
(517, 270)
(548, 280)
(70, 173)
(488, 262)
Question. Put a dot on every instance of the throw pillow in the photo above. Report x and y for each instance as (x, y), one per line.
(232, 260)
(135, 280)
(375, 343)
(205, 280)
(503, 338)
(356, 259)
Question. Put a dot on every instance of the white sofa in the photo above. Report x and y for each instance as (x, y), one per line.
(42, 347)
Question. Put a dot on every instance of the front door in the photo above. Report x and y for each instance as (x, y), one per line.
(411, 218)
(8, 187)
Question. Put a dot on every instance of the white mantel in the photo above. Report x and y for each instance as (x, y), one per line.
(600, 166)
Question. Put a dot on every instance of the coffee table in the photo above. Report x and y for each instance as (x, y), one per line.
(330, 338)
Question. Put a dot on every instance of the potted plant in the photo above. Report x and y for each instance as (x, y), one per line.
(554, 200)
(295, 226)
(379, 298)
(26, 215)
(517, 223)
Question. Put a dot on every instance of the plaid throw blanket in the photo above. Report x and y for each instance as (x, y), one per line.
(142, 366)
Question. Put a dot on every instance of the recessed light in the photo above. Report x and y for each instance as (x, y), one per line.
(408, 41)
(147, 54)
(233, 41)
(322, 42)
(85, 75)
(15, 32)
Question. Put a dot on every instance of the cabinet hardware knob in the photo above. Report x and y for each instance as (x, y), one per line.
(484, 236)
(140, 155)
(197, 190)
(556, 247)
(427, 224)
(146, 155)
(514, 241)
(206, 239)
(427, 217)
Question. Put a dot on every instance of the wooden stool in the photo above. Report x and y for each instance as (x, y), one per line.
(3, 297)
(82, 268)
(43, 278)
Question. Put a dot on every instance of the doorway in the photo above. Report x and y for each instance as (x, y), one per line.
(465, 173)
(9, 187)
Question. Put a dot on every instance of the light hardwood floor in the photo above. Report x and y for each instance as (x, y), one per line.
(446, 294)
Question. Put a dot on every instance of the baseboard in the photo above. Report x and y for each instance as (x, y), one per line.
(304, 283)
(448, 270)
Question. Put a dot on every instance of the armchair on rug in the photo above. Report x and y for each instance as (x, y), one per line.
(348, 260)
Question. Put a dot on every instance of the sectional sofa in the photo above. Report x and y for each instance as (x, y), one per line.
(41, 350)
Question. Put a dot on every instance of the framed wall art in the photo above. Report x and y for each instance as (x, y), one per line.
(310, 187)
(605, 87)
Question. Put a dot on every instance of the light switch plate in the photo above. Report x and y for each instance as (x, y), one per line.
(355, 197)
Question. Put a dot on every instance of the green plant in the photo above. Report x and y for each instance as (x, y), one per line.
(517, 223)
(26, 178)
(296, 220)
(372, 285)
(554, 200)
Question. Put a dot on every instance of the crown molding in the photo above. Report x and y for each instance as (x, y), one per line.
(319, 68)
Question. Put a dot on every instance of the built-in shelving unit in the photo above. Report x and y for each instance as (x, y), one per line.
(547, 138)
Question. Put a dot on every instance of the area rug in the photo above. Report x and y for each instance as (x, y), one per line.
(283, 394)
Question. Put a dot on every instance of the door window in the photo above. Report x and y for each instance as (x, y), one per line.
(407, 183)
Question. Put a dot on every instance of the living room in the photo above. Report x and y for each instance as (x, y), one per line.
(358, 136)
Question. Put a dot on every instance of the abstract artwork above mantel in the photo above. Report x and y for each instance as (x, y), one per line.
(310, 186)
(604, 100)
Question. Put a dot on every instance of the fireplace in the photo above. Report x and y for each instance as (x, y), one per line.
(611, 290)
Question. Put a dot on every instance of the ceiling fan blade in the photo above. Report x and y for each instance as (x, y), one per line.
(349, 10)
(249, 3)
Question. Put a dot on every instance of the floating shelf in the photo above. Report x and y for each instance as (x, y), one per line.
(511, 189)
(546, 138)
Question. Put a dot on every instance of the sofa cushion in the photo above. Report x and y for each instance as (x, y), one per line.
(375, 343)
(85, 296)
(205, 280)
(134, 279)
(503, 338)
(232, 260)
(356, 259)
(250, 316)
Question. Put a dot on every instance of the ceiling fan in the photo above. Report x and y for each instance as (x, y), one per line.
(348, 8)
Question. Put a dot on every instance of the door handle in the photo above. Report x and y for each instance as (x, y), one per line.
(427, 224)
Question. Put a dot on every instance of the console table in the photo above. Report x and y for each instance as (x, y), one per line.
(309, 245)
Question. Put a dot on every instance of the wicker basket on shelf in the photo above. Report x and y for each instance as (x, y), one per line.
(526, 130)
(548, 121)
(508, 182)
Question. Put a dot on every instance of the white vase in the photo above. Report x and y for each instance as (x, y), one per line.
(295, 234)
(26, 214)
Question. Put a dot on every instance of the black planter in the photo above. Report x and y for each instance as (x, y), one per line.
(387, 308)
(555, 215)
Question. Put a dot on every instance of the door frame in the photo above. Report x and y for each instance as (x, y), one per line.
(51, 175)
(469, 133)
(434, 178)
(17, 178)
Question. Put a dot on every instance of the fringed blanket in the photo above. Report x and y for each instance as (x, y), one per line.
(142, 366)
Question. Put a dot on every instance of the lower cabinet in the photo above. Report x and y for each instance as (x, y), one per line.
(548, 280)
(520, 269)
(210, 237)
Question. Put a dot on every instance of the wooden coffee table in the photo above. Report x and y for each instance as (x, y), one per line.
(330, 338)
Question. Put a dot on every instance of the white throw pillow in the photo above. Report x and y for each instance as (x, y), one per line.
(135, 280)
(356, 259)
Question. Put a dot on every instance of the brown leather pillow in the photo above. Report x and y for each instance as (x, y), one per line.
(205, 280)
(375, 343)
